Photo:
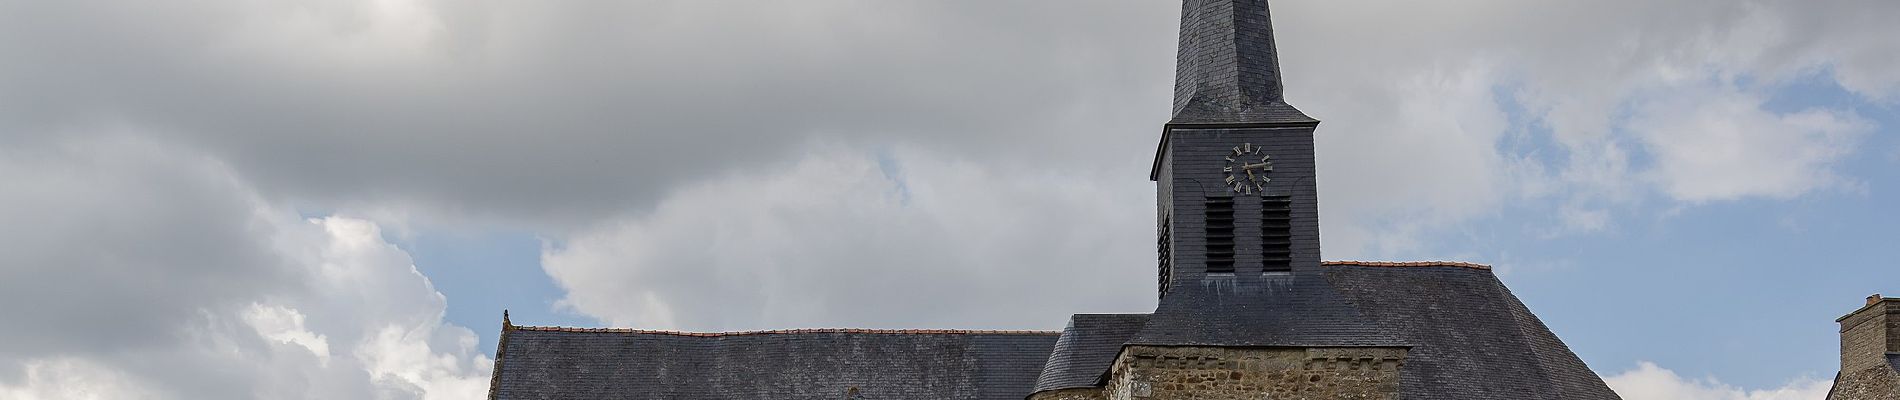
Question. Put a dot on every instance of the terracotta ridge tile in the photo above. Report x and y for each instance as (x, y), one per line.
(1403, 264)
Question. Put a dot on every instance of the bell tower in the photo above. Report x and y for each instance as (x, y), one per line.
(1234, 171)
(1238, 207)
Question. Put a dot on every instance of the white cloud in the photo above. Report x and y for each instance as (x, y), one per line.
(72, 379)
(1575, 219)
(1431, 160)
(1715, 144)
(846, 237)
(149, 272)
(1650, 382)
(411, 362)
(286, 325)
(1416, 141)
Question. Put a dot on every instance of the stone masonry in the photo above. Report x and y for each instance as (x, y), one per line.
(1069, 394)
(1869, 334)
(1870, 352)
(1227, 373)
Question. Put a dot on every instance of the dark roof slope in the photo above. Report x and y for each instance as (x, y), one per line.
(1471, 338)
(1088, 345)
(1870, 383)
(1296, 310)
(567, 363)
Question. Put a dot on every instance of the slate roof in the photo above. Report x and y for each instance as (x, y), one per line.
(1469, 337)
(1893, 362)
(1088, 345)
(570, 363)
(1296, 310)
(1227, 70)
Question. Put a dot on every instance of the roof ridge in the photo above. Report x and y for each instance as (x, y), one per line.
(1405, 264)
(789, 331)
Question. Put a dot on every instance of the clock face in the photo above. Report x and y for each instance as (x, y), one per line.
(1247, 168)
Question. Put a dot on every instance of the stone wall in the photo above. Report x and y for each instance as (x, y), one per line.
(1214, 373)
(1869, 334)
(1069, 394)
(1893, 326)
(1867, 337)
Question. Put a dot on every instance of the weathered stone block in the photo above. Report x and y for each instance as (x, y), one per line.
(1220, 373)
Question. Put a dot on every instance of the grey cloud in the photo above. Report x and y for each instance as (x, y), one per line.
(550, 115)
(568, 111)
(138, 270)
(111, 247)
(1414, 98)
(607, 127)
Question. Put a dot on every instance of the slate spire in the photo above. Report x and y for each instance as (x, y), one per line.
(1227, 71)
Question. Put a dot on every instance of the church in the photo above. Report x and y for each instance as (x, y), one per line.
(1247, 308)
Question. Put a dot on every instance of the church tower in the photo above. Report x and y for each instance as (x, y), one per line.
(1234, 171)
(1240, 277)
(1238, 220)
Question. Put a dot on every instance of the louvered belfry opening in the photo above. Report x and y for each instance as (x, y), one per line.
(1276, 234)
(1220, 235)
(1164, 248)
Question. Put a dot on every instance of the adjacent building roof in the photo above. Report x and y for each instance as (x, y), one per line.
(1882, 382)
(1469, 339)
(569, 363)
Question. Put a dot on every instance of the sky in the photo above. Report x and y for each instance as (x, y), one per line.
(223, 199)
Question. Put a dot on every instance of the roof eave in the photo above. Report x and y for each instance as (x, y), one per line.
(501, 348)
(1154, 172)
